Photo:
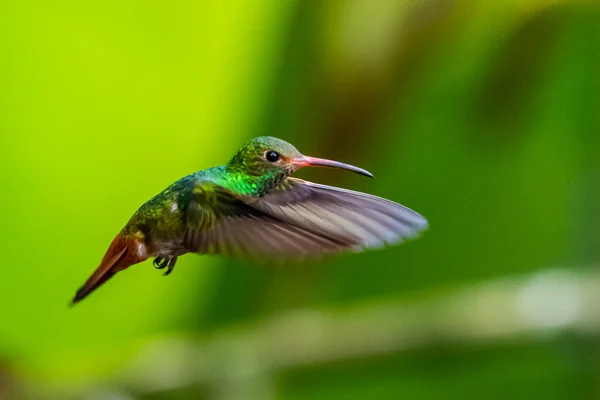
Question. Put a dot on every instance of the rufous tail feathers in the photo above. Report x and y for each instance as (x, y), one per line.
(122, 253)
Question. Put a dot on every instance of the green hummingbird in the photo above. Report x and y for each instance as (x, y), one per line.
(251, 208)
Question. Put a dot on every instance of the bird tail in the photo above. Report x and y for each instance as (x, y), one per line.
(121, 254)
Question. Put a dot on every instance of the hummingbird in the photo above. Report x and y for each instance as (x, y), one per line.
(253, 209)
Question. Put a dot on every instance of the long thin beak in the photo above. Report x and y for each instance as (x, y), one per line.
(306, 161)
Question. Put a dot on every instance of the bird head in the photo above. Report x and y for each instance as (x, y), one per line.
(275, 159)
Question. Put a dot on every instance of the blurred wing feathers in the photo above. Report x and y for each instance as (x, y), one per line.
(296, 220)
(368, 220)
(218, 222)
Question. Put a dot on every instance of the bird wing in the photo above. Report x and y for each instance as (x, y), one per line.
(295, 220)
(368, 220)
(219, 221)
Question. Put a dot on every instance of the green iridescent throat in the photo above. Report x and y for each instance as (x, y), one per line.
(249, 185)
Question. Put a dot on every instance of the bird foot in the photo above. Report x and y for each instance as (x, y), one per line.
(165, 262)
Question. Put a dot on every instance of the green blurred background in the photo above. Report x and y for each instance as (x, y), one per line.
(484, 116)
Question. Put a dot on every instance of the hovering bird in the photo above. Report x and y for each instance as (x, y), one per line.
(251, 208)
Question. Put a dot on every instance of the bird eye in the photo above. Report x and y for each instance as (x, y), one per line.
(272, 156)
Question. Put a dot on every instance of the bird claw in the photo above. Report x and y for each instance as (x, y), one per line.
(159, 262)
(165, 262)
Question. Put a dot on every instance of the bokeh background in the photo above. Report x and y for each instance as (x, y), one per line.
(484, 116)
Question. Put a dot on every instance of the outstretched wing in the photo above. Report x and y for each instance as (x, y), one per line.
(219, 222)
(370, 220)
(298, 219)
